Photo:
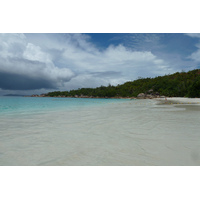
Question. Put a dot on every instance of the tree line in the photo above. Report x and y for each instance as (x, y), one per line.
(180, 84)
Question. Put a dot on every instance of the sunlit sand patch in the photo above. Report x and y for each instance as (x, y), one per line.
(178, 100)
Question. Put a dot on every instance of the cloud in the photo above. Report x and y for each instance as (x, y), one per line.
(115, 58)
(70, 61)
(25, 66)
(194, 35)
(10, 81)
(195, 56)
(144, 42)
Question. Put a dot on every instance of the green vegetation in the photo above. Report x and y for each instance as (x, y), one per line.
(183, 84)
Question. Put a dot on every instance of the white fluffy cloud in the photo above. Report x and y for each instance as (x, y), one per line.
(195, 55)
(67, 61)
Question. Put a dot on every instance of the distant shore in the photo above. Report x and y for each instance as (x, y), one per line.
(139, 96)
(159, 99)
(42, 95)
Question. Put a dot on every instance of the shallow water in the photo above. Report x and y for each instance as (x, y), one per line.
(62, 131)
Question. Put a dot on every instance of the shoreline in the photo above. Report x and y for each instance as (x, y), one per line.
(157, 98)
(82, 97)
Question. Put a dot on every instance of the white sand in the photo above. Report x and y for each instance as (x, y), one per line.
(138, 132)
(178, 100)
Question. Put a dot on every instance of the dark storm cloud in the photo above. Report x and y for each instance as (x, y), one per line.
(10, 81)
(23, 74)
(18, 80)
(26, 66)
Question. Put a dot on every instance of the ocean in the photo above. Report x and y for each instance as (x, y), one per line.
(97, 132)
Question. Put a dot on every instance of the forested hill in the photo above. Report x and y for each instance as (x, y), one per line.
(180, 84)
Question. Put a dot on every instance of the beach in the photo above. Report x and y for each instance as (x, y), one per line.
(119, 133)
(179, 100)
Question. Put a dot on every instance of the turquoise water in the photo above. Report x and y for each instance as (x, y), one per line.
(31, 105)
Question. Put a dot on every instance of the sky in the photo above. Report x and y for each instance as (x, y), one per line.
(39, 63)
